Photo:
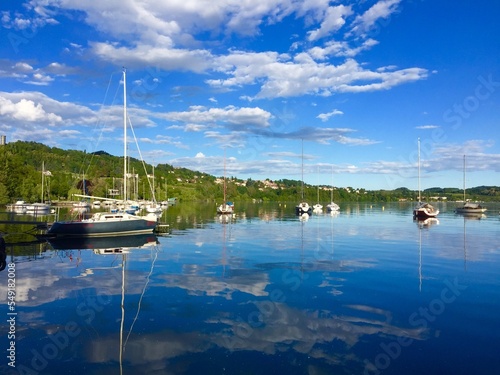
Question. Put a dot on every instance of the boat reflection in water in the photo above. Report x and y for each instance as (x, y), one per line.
(428, 222)
(121, 247)
(422, 225)
(100, 244)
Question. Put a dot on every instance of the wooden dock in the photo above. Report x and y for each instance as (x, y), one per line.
(39, 225)
(37, 222)
(161, 228)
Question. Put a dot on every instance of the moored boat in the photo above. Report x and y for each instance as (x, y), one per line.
(332, 206)
(303, 207)
(104, 224)
(226, 207)
(108, 224)
(469, 208)
(423, 210)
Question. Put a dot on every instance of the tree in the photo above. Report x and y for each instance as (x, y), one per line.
(4, 194)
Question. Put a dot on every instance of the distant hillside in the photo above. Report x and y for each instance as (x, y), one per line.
(68, 172)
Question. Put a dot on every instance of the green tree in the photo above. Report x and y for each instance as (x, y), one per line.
(4, 194)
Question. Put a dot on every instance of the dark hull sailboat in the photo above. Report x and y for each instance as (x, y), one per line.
(423, 210)
(104, 224)
(108, 224)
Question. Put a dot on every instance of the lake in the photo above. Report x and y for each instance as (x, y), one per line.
(366, 291)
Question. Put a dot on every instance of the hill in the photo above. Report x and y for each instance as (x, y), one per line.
(69, 172)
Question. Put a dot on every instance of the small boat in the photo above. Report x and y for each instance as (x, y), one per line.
(154, 208)
(332, 206)
(469, 208)
(37, 208)
(225, 208)
(81, 204)
(303, 207)
(318, 207)
(19, 207)
(423, 210)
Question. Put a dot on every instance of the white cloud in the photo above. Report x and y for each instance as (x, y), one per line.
(26, 110)
(35, 116)
(229, 116)
(304, 76)
(179, 22)
(367, 21)
(325, 116)
(194, 127)
(179, 36)
(168, 140)
(334, 19)
(162, 57)
(427, 127)
(41, 79)
(340, 49)
(23, 67)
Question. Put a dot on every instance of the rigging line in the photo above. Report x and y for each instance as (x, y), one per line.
(140, 299)
(142, 159)
(99, 120)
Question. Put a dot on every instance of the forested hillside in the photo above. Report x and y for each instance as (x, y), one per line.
(69, 172)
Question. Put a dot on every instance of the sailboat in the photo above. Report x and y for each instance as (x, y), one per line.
(423, 210)
(38, 208)
(303, 207)
(103, 224)
(332, 206)
(318, 207)
(226, 207)
(469, 208)
(153, 206)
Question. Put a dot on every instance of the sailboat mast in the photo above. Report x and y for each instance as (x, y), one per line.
(224, 176)
(43, 178)
(124, 136)
(331, 193)
(302, 189)
(464, 178)
(419, 196)
(318, 185)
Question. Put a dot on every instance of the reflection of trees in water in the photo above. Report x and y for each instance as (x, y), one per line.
(3, 254)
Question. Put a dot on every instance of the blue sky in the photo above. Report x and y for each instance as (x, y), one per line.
(357, 82)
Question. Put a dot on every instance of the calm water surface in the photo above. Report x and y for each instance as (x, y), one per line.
(367, 291)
